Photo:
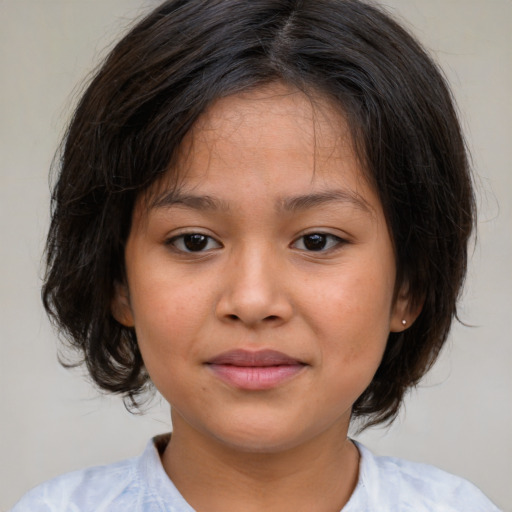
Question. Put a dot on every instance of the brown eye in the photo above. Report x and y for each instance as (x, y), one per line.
(193, 242)
(317, 242)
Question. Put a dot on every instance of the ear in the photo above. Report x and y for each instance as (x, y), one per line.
(405, 311)
(120, 306)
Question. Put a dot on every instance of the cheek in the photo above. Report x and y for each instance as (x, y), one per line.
(352, 316)
(164, 337)
(168, 316)
(356, 300)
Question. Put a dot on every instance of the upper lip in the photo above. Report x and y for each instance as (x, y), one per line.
(254, 358)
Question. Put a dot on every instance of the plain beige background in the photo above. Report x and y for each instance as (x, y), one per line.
(52, 421)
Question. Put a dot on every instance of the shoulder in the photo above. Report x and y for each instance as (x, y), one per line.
(409, 486)
(138, 485)
(85, 490)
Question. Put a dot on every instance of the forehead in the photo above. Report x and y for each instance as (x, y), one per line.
(297, 111)
(277, 118)
(276, 136)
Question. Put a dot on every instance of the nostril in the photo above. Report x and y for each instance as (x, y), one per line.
(236, 318)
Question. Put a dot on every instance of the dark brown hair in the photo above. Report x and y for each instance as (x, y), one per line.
(168, 69)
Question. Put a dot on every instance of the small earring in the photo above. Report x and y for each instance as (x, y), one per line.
(404, 322)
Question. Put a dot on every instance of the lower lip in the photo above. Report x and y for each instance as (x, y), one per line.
(256, 378)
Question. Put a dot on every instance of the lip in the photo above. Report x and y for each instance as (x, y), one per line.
(255, 370)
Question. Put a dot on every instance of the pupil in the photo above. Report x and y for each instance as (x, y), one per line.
(315, 242)
(195, 242)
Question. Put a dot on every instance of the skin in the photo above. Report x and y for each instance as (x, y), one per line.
(257, 285)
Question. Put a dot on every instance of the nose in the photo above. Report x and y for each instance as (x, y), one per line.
(254, 291)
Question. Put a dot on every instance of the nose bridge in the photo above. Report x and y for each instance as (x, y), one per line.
(254, 289)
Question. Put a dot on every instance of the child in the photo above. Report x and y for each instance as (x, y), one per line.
(263, 210)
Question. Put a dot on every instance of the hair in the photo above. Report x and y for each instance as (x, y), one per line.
(128, 126)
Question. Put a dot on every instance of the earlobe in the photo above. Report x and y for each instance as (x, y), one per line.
(405, 311)
(120, 306)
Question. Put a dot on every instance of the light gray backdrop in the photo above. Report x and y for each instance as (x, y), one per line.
(52, 421)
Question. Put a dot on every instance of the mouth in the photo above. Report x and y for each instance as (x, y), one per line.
(260, 370)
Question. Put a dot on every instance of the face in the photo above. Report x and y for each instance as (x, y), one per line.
(262, 288)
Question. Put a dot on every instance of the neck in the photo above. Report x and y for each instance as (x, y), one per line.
(319, 474)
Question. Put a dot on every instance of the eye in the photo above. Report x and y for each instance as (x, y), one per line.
(317, 242)
(193, 242)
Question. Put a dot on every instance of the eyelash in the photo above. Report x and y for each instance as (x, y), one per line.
(335, 242)
(177, 240)
(323, 239)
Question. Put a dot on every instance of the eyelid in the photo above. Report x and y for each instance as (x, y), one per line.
(338, 242)
(170, 241)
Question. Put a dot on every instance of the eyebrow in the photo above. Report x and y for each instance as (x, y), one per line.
(306, 201)
(289, 204)
(194, 202)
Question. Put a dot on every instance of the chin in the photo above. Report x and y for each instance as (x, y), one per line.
(261, 444)
(263, 437)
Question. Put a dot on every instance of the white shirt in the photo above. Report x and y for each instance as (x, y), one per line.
(140, 484)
